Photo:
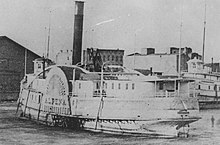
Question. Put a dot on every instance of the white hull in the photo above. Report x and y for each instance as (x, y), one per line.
(146, 116)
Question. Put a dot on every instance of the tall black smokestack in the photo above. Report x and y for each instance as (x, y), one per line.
(78, 31)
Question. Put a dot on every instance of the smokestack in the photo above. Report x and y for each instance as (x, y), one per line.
(78, 31)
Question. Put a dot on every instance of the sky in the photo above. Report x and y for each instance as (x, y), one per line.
(125, 24)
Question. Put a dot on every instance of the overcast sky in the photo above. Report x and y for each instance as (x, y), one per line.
(126, 24)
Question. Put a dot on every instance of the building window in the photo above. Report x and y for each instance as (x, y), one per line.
(204, 76)
(133, 86)
(119, 86)
(199, 87)
(3, 63)
(79, 85)
(108, 57)
(116, 58)
(113, 57)
(121, 58)
(209, 87)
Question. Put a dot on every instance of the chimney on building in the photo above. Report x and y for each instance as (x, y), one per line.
(147, 51)
(78, 32)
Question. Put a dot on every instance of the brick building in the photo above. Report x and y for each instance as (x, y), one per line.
(12, 67)
(95, 57)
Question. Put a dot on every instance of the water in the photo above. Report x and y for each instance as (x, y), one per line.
(18, 131)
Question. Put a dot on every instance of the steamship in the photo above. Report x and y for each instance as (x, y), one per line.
(206, 84)
(116, 100)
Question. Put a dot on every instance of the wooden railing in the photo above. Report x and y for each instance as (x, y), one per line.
(174, 94)
(157, 95)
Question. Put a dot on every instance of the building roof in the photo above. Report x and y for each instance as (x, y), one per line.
(107, 49)
(6, 38)
(195, 61)
(136, 53)
(139, 54)
(41, 59)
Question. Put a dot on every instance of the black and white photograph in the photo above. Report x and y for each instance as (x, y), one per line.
(109, 72)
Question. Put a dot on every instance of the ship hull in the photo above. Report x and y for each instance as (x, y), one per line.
(205, 105)
(207, 102)
(164, 117)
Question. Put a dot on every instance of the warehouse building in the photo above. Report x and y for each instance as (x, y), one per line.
(148, 61)
(12, 67)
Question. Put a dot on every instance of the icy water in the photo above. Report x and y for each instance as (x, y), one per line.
(15, 131)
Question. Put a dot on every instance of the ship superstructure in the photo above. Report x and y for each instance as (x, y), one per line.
(206, 84)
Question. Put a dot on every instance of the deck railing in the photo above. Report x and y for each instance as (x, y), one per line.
(157, 95)
(174, 94)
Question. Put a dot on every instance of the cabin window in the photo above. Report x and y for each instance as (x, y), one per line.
(116, 58)
(126, 86)
(194, 65)
(119, 86)
(133, 86)
(79, 85)
(97, 85)
(112, 85)
(161, 86)
(39, 98)
(215, 88)
(39, 66)
(105, 85)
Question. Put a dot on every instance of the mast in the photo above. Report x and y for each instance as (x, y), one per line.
(25, 61)
(204, 30)
(181, 25)
(48, 40)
